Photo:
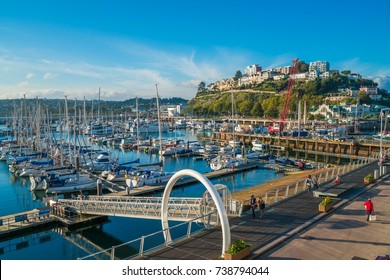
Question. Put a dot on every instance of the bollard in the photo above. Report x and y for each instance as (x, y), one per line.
(99, 187)
(375, 174)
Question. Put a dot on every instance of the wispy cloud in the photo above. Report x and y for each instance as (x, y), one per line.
(49, 75)
(23, 84)
(29, 75)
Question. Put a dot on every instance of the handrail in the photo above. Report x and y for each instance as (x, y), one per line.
(279, 194)
(24, 217)
(187, 233)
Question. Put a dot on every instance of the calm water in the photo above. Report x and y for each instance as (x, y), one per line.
(60, 244)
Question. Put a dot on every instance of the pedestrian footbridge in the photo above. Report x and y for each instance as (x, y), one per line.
(210, 209)
(179, 208)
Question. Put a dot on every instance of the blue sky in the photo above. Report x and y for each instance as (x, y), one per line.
(51, 49)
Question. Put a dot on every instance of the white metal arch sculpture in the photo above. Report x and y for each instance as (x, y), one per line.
(226, 239)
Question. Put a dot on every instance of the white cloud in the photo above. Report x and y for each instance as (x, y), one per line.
(23, 84)
(383, 81)
(29, 75)
(49, 75)
(190, 83)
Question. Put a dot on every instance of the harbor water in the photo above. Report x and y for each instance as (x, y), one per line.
(57, 243)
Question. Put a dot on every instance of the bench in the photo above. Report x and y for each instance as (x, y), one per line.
(334, 190)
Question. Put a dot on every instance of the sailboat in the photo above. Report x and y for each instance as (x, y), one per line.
(229, 160)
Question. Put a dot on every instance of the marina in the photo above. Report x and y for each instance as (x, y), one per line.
(116, 229)
(23, 199)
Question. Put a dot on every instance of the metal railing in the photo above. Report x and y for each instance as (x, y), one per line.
(288, 191)
(140, 207)
(138, 247)
(9, 222)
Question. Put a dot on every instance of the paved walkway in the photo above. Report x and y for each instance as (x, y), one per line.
(294, 229)
(344, 234)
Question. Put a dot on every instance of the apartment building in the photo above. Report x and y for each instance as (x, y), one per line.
(319, 66)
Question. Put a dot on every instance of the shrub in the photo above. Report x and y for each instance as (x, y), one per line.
(369, 176)
(326, 201)
(237, 246)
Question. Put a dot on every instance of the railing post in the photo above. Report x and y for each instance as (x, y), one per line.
(141, 246)
(241, 209)
(266, 198)
(349, 167)
(375, 174)
(326, 176)
(189, 229)
(333, 172)
(319, 178)
(286, 192)
(112, 256)
(276, 195)
(344, 169)
(296, 188)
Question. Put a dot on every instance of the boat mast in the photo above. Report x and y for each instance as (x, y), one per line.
(137, 116)
(99, 107)
(234, 141)
(85, 115)
(159, 124)
(68, 129)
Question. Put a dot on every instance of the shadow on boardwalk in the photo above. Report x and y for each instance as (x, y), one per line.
(278, 225)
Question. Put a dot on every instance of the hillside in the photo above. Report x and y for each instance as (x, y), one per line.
(267, 98)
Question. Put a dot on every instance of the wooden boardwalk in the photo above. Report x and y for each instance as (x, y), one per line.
(279, 223)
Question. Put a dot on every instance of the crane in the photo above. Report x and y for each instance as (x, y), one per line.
(278, 126)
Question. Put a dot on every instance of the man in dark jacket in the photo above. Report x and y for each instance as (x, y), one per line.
(253, 205)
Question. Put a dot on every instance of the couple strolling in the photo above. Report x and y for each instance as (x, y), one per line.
(254, 203)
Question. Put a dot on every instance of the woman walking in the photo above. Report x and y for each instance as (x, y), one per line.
(369, 208)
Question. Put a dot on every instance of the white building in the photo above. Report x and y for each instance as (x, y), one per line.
(300, 76)
(326, 74)
(313, 74)
(369, 90)
(319, 66)
(352, 92)
(253, 70)
(278, 77)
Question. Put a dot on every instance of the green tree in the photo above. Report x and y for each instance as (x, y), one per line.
(202, 87)
(346, 72)
(364, 98)
(238, 75)
(244, 107)
(271, 107)
(257, 110)
(302, 67)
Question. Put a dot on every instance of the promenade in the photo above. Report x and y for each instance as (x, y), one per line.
(295, 229)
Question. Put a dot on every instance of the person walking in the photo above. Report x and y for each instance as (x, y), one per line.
(253, 203)
(369, 208)
(337, 180)
(261, 203)
(309, 182)
(315, 182)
